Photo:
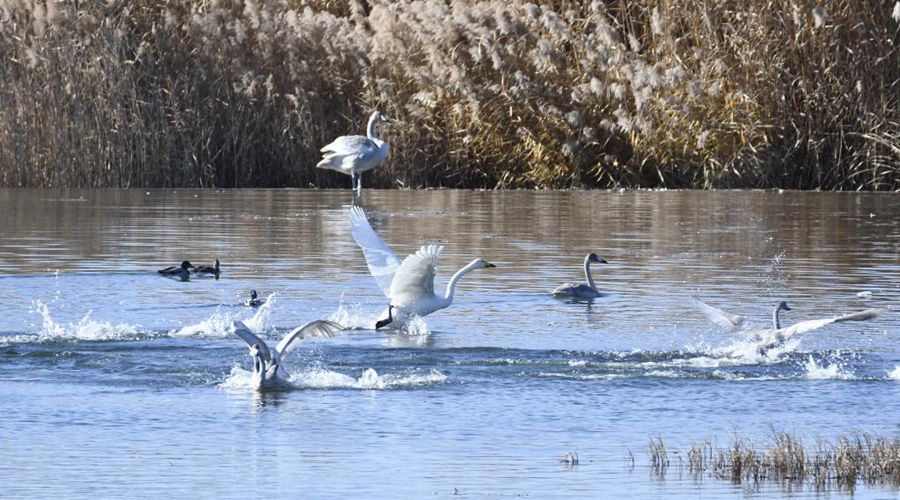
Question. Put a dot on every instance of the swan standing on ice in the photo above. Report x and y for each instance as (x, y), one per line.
(409, 284)
(580, 290)
(775, 336)
(354, 154)
(267, 370)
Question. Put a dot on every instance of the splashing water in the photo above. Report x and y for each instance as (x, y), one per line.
(219, 324)
(895, 373)
(352, 317)
(84, 329)
(241, 380)
(355, 317)
(814, 371)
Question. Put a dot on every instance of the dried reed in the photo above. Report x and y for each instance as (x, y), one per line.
(764, 93)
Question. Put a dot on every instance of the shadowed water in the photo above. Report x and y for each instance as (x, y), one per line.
(116, 380)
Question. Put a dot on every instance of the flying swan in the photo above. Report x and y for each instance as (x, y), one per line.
(777, 335)
(409, 285)
(267, 370)
(354, 154)
(580, 290)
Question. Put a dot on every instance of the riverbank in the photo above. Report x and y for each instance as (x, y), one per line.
(485, 95)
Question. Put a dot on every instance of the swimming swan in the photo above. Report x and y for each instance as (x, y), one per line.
(580, 290)
(409, 284)
(267, 370)
(354, 154)
(183, 271)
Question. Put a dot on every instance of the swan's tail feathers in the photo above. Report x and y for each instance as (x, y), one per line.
(862, 315)
(331, 162)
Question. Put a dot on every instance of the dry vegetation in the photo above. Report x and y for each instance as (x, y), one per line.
(494, 93)
(786, 460)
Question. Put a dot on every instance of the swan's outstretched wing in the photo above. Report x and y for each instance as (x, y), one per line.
(317, 328)
(350, 145)
(720, 317)
(241, 330)
(812, 324)
(381, 260)
(415, 276)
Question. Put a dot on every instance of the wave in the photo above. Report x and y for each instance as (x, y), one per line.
(355, 317)
(219, 324)
(241, 380)
(86, 329)
(835, 371)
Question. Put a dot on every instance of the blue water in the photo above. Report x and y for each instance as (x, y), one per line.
(117, 382)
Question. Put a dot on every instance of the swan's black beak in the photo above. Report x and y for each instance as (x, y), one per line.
(384, 322)
(488, 264)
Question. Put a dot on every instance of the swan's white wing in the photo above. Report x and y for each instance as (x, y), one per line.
(317, 328)
(718, 316)
(809, 325)
(350, 145)
(241, 330)
(862, 315)
(414, 278)
(381, 260)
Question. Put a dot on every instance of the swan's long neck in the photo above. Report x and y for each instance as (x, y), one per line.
(370, 128)
(451, 287)
(587, 272)
(775, 319)
(260, 365)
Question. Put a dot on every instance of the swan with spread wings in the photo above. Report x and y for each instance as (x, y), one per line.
(409, 285)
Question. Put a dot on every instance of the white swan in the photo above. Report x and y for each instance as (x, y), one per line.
(777, 335)
(354, 154)
(409, 284)
(580, 290)
(267, 370)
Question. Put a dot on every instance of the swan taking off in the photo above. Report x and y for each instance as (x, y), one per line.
(267, 370)
(354, 154)
(409, 284)
(581, 290)
(775, 336)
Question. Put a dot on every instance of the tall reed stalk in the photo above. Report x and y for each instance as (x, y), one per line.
(508, 94)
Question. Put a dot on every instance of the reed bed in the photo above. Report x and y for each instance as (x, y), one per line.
(785, 459)
(488, 94)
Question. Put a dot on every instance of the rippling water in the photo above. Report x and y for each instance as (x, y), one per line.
(117, 381)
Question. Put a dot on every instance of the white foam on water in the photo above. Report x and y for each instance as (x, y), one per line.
(757, 351)
(370, 379)
(258, 320)
(353, 317)
(356, 317)
(241, 380)
(814, 371)
(85, 329)
(895, 373)
(238, 380)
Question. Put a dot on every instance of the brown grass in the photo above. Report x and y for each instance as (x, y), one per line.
(680, 93)
(786, 460)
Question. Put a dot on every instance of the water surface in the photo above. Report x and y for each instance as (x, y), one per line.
(117, 381)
